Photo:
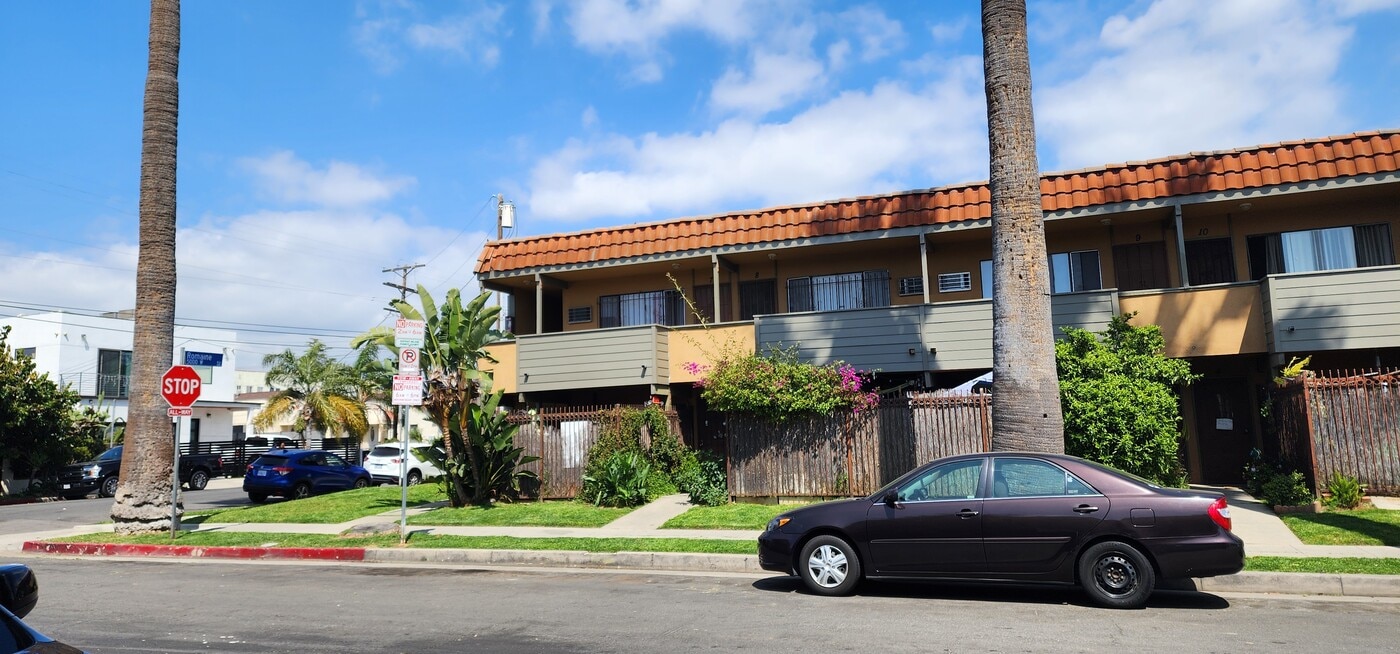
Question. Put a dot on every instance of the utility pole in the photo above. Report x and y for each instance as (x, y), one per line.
(505, 218)
(402, 286)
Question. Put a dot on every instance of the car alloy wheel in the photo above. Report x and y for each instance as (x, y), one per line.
(109, 487)
(198, 480)
(301, 491)
(829, 566)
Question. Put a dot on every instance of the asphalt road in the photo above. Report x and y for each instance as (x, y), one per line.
(200, 606)
(47, 516)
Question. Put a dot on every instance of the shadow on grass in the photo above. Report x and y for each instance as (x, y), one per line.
(1386, 533)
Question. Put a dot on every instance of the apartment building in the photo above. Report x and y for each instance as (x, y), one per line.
(1245, 258)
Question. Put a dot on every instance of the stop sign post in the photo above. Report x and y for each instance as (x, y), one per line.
(180, 387)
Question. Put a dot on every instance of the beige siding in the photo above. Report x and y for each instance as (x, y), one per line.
(1334, 310)
(869, 339)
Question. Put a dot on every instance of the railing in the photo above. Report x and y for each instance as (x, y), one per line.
(91, 384)
(238, 454)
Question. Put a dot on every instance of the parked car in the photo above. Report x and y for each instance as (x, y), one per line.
(296, 474)
(1010, 517)
(385, 461)
(19, 592)
(101, 474)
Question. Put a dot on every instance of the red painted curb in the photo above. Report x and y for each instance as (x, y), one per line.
(198, 551)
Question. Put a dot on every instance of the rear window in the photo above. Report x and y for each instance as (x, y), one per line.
(270, 461)
(384, 450)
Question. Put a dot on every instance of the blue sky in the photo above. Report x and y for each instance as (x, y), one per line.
(322, 141)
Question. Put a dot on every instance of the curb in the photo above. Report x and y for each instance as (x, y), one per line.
(195, 551)
(670, 561)
(1304, 583)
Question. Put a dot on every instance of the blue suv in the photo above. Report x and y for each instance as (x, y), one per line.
(295, 474)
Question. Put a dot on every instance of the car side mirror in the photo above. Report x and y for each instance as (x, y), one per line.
(19, 590)
(891, 499)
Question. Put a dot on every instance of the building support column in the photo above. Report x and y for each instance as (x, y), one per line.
(539, 303)
(714, 287)
(1181, 247)
(923, 263)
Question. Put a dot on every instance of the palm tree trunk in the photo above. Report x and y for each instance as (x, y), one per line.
(143, 496)
(1026, 391)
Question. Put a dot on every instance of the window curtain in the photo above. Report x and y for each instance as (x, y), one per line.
(610, 311)
(1373, 245)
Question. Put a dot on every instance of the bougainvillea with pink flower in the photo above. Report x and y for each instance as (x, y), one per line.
(777, 386)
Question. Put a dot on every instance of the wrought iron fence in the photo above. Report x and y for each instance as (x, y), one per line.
(91, 384)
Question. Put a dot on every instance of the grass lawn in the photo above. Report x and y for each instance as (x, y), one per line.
(522, 514)
(1361, 527)
(1352, 566)
(331, 508)
(728, 516)
(247, 539)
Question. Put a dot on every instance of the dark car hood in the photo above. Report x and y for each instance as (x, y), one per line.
(824, 507)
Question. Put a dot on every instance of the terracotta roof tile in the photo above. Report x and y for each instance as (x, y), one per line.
(1198, 172)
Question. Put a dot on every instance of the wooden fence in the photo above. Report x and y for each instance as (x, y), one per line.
(561, 438)
(1344, 422)
(853, 453)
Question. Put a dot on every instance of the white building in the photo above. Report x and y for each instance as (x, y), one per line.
(92, 355)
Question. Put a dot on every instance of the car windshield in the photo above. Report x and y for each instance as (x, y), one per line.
(271, 461)
(385, 450)
(1124, 474)
(114, 454)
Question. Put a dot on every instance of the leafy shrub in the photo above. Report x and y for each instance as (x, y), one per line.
(621, 481)
(1345, 491)
(776, 386)
(1258, 470)
(703, 477)
(660, 484)
(1118, 394)
(1286, 489)
(491, 439)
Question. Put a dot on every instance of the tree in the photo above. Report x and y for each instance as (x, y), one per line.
(143, 497)
(35, 415)
(455, 337)
(1026, 397)
(374, 378)
(1120, 402)
(317, 393)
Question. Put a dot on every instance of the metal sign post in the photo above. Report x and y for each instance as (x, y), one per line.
(407, 393)
(175, 482)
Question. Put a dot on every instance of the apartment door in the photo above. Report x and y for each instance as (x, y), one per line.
(1137, 266)
(1224, 425)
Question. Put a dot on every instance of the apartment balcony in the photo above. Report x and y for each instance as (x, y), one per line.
(91, 384)
(1352, 309)
(599, 358)
(1216, 320)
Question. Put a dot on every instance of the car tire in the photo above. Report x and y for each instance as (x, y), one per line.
(829, 566)
(198, 480)
(300, 491)
(257, 498)
(108, 487)
(1116, 575)
(414, 477)
(75, 497)
(361, 483)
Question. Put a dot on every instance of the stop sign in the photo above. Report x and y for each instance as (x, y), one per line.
(180, 386)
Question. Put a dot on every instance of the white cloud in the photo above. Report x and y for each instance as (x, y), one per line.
(1357, 7)
(635, 29)
(889, 138)
(774, 81)
(284, 177)
(1186, 76)
(948, 32)
(877, 34)
(398, 26)
(589, 119)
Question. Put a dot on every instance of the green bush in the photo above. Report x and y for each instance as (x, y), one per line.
(1345, 492)
(660, 484)
(777, 386)
(1286, 489)
(703, 477)
(1258, 470)
(1118, 394)
(622, 480)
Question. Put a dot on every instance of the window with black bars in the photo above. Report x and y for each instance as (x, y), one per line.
(705, 302)
(858, 290)
(757, 298)
(649, 308)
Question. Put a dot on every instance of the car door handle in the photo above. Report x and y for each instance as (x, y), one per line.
(967, 513)
(1085, 508)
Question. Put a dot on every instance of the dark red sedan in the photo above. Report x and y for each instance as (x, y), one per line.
(1011, 517)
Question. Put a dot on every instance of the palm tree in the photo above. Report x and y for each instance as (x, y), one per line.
(374, 383)
(317, 393)
(455, 337)
(1026, 397)
(143, 497)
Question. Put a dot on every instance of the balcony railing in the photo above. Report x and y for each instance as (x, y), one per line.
(91, 384)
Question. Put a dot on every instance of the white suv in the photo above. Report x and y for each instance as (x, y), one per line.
(383, 463)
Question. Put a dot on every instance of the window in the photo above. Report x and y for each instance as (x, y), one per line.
(1034, 478)
(986, 279)
(1075, 271)
(650, 308)
(26, 351)
(113, 373)
(1309, 250)
(911, 286)
(580, 314)
(1138, 266)
(858, 290)
(954, 282)
(705, 302)
(206, 374)
(950, 481)
(1210, 261)
(757, 298)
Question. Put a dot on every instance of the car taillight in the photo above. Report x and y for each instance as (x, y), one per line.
(250, 467)
(284, 470)
(1220, 512)
(396, 460)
